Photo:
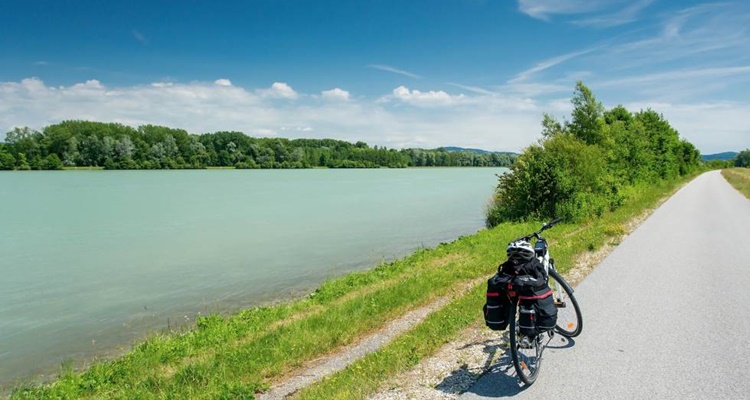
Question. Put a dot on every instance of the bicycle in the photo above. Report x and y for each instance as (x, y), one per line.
(526, 351)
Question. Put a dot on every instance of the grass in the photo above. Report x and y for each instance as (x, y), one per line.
(739, 178)
(236, 356)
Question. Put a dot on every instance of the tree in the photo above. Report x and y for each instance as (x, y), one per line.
(71, 156)
(123, 149)
(22, 164)
(7, 161)
(663, 143)
(743, 159)
(551, 126)
(586, 123)
(52, 161)
(90, 148)
(18, 134)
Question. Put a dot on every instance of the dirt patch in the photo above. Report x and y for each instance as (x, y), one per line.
(451, 371)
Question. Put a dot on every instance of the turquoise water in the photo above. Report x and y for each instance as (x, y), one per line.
(92, 260)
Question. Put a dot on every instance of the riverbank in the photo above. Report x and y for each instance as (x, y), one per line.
(237, 356)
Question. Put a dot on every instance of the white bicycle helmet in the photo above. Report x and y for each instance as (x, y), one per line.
(520, 250)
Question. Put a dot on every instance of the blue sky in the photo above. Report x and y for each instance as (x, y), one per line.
(418, 73)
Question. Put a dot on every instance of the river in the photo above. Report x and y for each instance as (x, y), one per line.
(91, 261)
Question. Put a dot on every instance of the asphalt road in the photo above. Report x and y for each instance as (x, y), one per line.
(666, 314)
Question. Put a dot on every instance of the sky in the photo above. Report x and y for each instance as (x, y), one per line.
(395, 73)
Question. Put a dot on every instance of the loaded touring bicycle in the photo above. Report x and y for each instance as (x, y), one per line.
(533, 301)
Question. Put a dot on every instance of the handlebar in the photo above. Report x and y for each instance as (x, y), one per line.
(545, 226)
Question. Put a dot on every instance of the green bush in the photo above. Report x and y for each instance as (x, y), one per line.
(7, 161)
(718, 164)
(582, 168)
(743, 159)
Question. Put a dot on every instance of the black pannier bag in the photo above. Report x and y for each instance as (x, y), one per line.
(498, 305)
(532, 268)
(537, 312)
(527, 319)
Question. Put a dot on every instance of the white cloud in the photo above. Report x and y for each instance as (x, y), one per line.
(430, 98)
(404, 118)
(546, 64)
(335, 94)
(687, 75)
(32, 85)
(473, 89)
(279, 90)
(223, 82)
(482, 121)
(709, 33)
(620, 17)
(600, 13)
(90, 84)
(543, 9)
(394, 70)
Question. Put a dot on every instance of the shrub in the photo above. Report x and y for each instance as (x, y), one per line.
(743, 159)
(583, 168)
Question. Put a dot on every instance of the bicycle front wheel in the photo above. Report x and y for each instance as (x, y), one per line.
(525, 351)
(569, 319)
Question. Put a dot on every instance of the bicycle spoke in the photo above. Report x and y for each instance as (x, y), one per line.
(526, 353)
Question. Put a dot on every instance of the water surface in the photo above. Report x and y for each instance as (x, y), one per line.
(92, 260)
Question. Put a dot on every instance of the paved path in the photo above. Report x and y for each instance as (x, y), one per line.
(666, 315)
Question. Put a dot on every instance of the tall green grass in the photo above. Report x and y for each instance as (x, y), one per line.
(739, 178)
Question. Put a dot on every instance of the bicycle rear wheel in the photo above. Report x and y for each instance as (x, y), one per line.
(525, 351)
(569, 318)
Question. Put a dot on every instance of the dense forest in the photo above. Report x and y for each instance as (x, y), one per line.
(117, 146)
(590, 164)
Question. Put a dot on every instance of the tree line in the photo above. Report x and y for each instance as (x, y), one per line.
(590, 164)
(117, 146)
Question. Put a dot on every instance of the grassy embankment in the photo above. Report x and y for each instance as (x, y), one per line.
(739, 178)
(234, 357)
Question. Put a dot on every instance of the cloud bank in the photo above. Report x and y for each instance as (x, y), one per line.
(504, 119)
(408, 118)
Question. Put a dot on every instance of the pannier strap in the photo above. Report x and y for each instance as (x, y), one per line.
(537, 297)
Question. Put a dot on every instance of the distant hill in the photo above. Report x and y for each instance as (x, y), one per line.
(478, 151)
(727, 155)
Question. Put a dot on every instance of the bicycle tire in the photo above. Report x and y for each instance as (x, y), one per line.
(527, 368)
(567, 325)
